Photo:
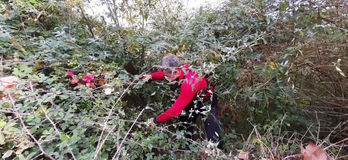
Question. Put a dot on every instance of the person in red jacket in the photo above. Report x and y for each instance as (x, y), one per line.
(195, 91)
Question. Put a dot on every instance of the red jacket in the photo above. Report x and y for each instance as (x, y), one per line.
(192, 84)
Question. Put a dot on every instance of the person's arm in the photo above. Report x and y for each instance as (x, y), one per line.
(154, 76)
(157, 75)
(184, 99)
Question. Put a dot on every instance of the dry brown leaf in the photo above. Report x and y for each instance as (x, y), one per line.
(243, 155)
(7, 83)
(313, 152)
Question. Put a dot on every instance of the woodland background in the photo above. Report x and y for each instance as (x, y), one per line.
(279, 69)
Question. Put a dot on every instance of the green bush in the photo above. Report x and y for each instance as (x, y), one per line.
(278, 70)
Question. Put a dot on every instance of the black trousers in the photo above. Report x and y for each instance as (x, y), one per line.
(211, 123)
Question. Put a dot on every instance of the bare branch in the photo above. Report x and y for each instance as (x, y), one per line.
(25, 127)
(50, 120)
(100, 142)
(119, 148)
(88, 23)
(1, 67)
(12, 112)
(296, 156)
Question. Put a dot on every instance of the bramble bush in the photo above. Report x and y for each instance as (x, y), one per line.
(278, 69)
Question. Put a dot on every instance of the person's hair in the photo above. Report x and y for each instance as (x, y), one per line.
(170, 61)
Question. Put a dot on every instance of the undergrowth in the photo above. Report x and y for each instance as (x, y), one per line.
(279, 70)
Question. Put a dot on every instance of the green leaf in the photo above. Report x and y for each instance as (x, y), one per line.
(284, 6)
(2, 124)
(340, 71)
(4, 36)
(25, 69)
(17, 73)
(28, 157)
(146, 16)
(338, 36)
(7, 154)
(64, 137)
(2, 139)
(62, 97)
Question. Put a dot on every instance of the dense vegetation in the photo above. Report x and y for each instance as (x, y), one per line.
(279, 69)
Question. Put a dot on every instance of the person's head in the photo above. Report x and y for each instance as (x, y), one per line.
(171, 64)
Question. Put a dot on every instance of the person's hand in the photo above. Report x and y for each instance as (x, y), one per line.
(203, 150)
(146, 77)
(151, 123)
